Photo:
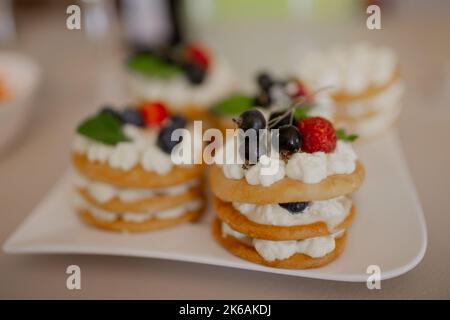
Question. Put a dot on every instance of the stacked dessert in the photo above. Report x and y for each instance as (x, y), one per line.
(365, 82)
(292, 208)
(125, 177)
(272, 95)
(187, 78)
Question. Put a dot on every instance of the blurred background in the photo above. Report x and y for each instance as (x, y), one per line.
(79, 70)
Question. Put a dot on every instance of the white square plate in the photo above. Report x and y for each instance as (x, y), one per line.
(389, 229)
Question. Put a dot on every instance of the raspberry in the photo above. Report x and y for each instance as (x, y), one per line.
(318, 135)
(154, 113)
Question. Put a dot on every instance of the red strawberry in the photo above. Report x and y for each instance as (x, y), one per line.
(318, 135)
(198, 55)
(154, 113)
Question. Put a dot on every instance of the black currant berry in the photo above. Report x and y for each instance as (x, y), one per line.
(289, 140)
(252, 149)
(251, 119)
(294, 207)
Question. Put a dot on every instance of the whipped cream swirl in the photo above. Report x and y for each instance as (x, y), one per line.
(141, 150)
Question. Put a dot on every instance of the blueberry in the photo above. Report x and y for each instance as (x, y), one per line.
(251, 119)
(165, 142)
(265, 81)
(195, 73)
(109, 110)
(133, 117)
(294, 207)
(289, 139)
(276, 121)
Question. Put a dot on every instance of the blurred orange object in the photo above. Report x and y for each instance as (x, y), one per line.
(3, 91)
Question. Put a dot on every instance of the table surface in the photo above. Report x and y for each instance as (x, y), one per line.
(76, 74)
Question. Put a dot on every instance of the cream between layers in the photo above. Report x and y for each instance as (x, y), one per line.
(382, 102)
(332, 212)
(177, 92)
(103, 192)
(280, 250)
(142, 149)
(302, 166)
(109, 216)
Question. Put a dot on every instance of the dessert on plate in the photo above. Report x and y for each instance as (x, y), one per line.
(186, 77)
(292, 207)
(125, 176)
(365, 81)
(272, 96)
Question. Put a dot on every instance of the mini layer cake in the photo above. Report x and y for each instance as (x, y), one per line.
(366, 85)
(292, 208)
(125, 178)
(272, 96)
(187, 78)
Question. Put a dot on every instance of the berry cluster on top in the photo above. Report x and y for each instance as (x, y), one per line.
(272, 92)
(192, 60)
(106, 126)
(296, 132)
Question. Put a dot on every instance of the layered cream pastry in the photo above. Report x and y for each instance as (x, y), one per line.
(125, 176)
(272, 96)
(187, 78)
(292, 207)
(365, 82)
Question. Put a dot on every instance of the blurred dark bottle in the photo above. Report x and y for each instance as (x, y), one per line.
(152, 24)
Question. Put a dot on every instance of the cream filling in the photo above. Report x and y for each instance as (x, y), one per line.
(103, 192)
(280, 250)
(108, 216)
(382, 102)
(332, 212)
(375, 124)
(178, 92)
(302, 166)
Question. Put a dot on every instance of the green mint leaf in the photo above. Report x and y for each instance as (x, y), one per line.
(342, 135)
(234, 105)
(301, 112)
(150, 65)
(104, 128)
